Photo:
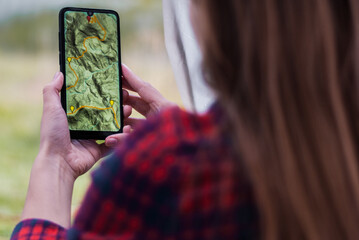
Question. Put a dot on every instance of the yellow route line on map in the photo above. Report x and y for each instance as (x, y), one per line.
(102, 109)
(83, 53)
(114, 114)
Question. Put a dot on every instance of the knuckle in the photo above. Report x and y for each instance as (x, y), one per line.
(47, 88)
(145, 87)
(51, 110)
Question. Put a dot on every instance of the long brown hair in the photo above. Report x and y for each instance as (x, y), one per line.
(286, 75)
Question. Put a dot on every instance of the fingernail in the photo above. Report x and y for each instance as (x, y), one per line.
(57, 75)
(125, 66)
(127, 129)
(112, 142)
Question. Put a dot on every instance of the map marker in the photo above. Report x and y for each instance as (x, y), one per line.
(111, 102)
(72, 108)
(69, 59)
(88, 19)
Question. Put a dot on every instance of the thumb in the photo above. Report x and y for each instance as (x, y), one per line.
(51, 90)
(58, 81)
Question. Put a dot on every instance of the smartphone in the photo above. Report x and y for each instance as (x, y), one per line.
(90, 59)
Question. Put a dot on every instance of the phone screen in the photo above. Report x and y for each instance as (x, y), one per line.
(92, 71)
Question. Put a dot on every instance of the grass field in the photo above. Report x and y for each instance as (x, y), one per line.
(21, 81)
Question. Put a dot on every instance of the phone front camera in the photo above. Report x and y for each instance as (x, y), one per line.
(90, 13)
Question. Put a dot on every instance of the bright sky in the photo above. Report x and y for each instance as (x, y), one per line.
(10, 8)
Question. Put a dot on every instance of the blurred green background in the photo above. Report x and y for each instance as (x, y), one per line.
(29, 59)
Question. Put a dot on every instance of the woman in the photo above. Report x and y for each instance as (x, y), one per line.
(275, 158)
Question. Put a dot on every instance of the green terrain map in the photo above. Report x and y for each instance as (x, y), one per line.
(92, 72)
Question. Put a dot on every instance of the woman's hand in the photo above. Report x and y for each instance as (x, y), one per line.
(60, 161)
(78, 155)
(148, 102)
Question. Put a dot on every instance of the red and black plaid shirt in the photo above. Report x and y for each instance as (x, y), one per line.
(174, 178)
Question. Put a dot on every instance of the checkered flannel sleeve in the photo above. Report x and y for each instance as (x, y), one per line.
(38, 229)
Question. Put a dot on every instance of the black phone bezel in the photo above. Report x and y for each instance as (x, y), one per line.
(77, 134)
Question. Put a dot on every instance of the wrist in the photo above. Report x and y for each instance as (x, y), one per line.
(50, 190)
(54, 165)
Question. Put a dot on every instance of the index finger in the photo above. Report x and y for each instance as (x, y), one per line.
(126, 85)
(131, 81)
